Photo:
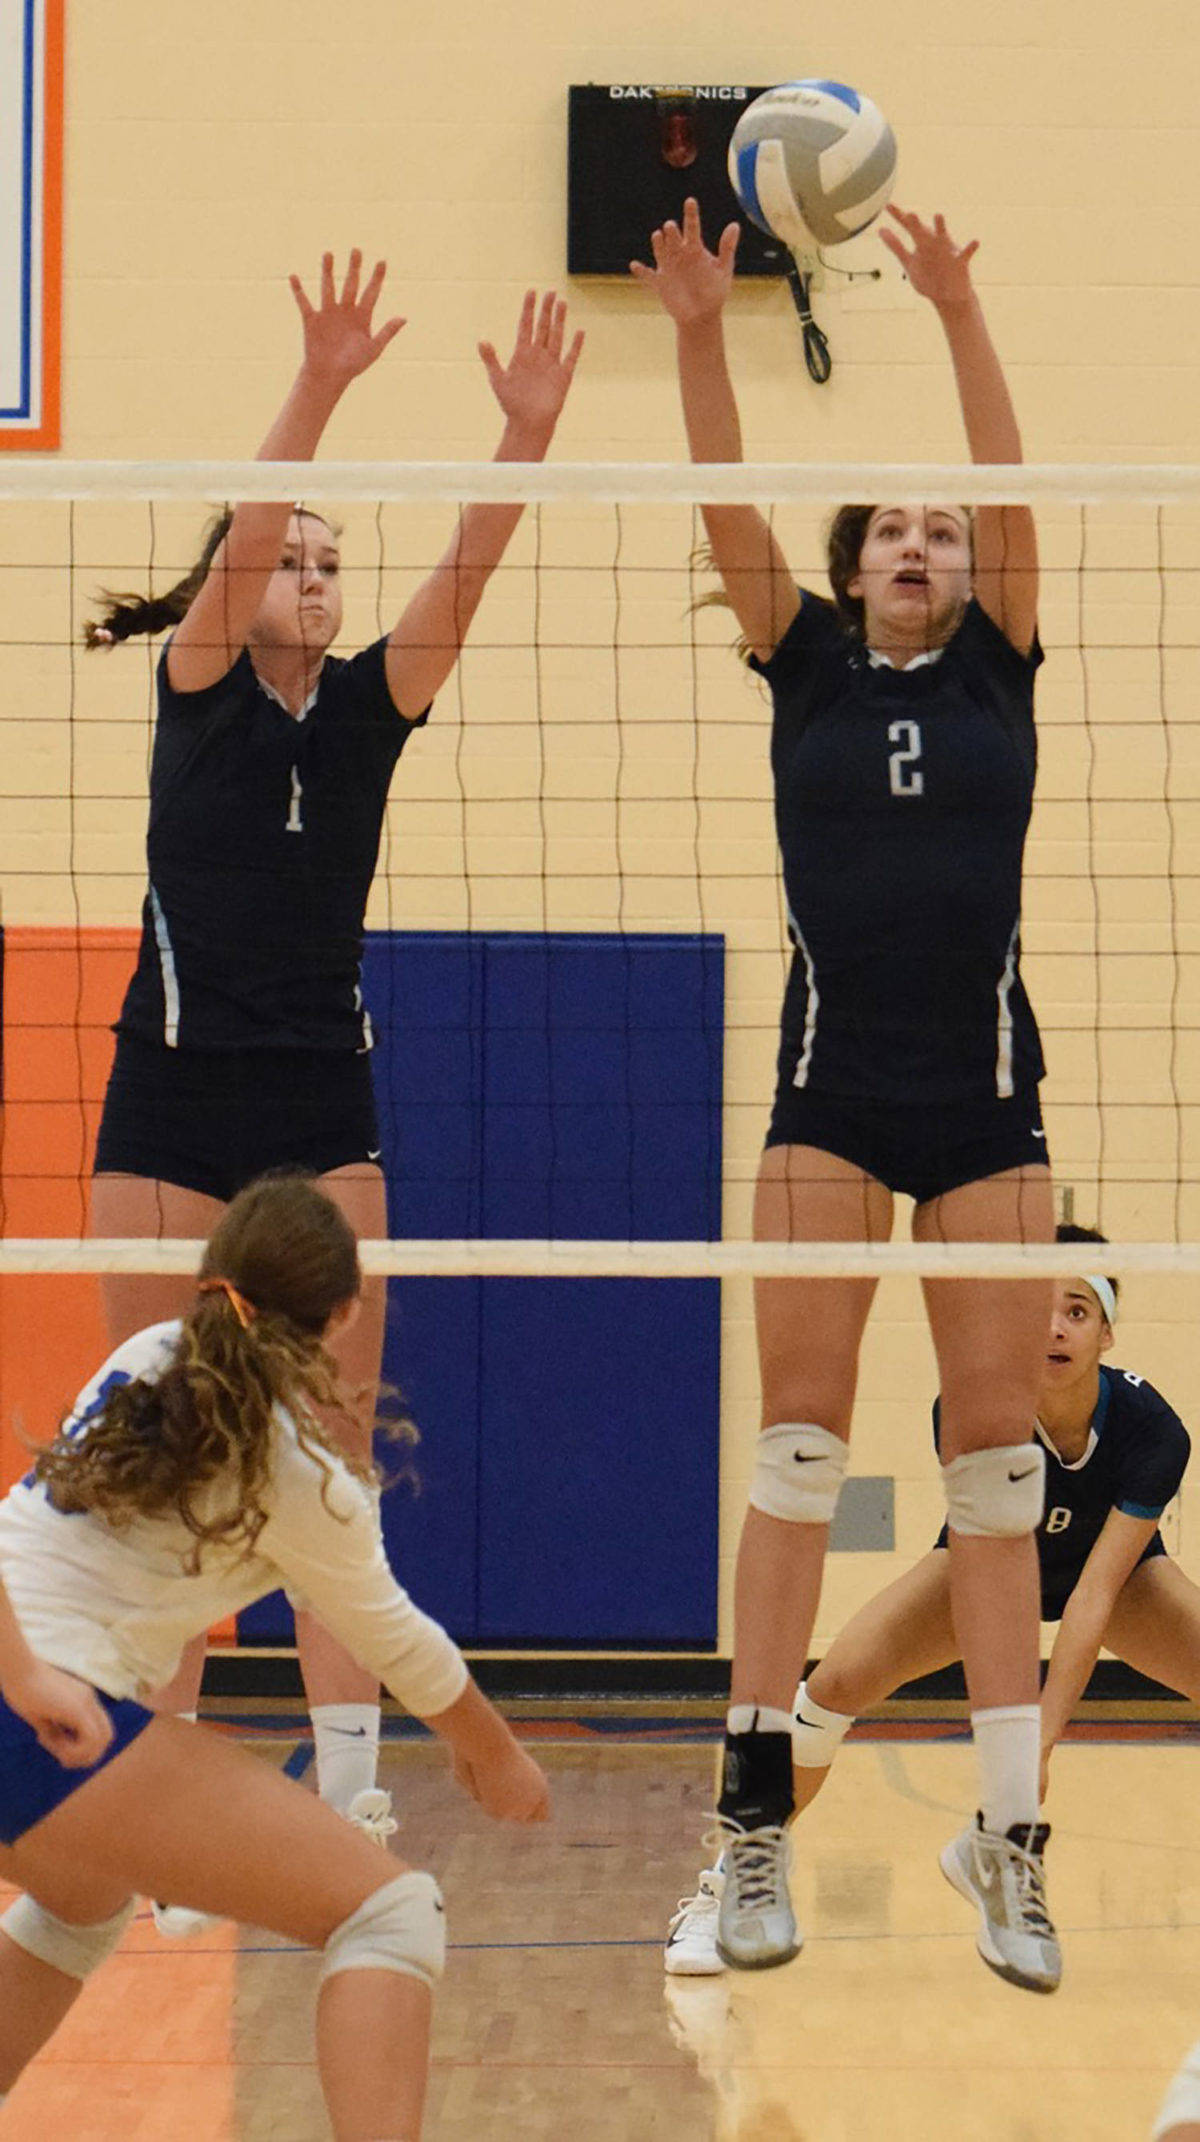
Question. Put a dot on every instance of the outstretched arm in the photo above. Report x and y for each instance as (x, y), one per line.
(63, 1712)
(339, 343)
(692, 285)
(1006, 578)
(1081, 1631)
(531, 388)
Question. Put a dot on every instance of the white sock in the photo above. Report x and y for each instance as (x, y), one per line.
(189, 1717)
(1008, 1745)
(346, 1736)
(757, 1718)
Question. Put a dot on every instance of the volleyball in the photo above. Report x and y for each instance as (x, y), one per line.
(812, 161)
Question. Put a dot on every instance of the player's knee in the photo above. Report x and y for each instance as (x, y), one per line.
(798, 1473)
(74, 1950)
(996, 1493)
(818, 1730)
(401, 1927)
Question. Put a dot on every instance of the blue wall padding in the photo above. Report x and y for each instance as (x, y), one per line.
(562, 1085)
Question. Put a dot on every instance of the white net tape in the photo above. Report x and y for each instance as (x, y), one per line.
(603, 483)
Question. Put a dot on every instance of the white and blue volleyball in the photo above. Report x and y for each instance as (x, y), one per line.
(812, 160)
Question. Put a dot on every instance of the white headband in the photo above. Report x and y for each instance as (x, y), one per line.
(1102, 1289)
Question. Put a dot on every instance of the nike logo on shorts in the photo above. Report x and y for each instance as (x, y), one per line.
(1028, 1473)
(1038, 1134)
(377, 1154)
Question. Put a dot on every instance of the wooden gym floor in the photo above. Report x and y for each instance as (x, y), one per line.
(556, 2021)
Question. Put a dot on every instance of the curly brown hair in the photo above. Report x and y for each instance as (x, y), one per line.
(126, 615)
(154, 1447)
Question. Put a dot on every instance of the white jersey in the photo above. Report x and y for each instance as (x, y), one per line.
(117, 1605)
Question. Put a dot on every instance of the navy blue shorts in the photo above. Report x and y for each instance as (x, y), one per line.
(1057, 1587)
(33, 1782)
(920, 1150)
(213, 1119)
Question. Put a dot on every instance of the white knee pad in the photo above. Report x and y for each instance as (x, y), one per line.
(798, 1473)
(817, 1734)
(996, 1494)
(401, 1927)
(75, 1950)
(1182, 2102)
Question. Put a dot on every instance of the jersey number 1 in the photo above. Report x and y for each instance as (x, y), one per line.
(295, 823)
(904, 772)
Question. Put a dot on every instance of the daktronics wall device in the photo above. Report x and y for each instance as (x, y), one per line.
(635, 152)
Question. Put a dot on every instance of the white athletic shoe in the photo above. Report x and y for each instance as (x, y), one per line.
(691, 1950)
(1005, 1880)
(371, 1812)
(756, 1926)
(175, 1922)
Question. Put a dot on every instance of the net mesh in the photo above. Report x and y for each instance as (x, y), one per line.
(598, 766)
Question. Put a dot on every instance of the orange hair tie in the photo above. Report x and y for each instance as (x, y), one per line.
(242, 1309)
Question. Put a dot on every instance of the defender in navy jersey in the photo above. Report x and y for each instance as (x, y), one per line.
(903, 753)
(1116, 1452)
(119, 1546)
(243, 1041)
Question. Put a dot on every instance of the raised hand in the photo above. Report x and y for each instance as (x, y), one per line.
(532, 387)
(63, 1712)
(937, 268)
(339, 341)
(690, 283)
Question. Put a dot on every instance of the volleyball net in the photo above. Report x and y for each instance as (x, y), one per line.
(576, 937)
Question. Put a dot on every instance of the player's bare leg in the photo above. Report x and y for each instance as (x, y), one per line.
(809, 1332)
(990, 1339)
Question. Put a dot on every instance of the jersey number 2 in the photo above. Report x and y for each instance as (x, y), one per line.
(904, 771)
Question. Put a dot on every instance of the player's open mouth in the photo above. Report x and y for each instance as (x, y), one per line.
(1062, 1360)
(910, 580)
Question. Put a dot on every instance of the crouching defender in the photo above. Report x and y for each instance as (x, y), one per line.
(1115, 1454)
(194, 1476)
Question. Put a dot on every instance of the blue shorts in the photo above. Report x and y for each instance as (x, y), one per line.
(1057, 1585)
(33, 1782)
(213, 1119)
(923, 1151)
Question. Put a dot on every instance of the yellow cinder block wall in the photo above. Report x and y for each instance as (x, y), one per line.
(619, 776)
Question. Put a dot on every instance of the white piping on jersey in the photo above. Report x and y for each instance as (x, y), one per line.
(925, 659)
(1004, 1023)
(1075, 1465)
(170, 979)
(368, 1031)
(800, 1075)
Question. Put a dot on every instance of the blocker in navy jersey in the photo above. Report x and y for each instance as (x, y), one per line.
(1136, 1455)
(902, 801)
(263, 839)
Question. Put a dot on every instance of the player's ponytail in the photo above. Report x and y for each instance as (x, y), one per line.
(125, 616)
(196, 1442)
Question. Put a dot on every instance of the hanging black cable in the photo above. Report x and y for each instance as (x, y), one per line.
(816, 348)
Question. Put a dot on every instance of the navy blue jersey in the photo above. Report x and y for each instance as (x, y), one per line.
(264, 835)
(902, 801)
(1137, 1452)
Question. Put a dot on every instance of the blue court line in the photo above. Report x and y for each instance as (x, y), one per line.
(299, 1760)
(654, 1942)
